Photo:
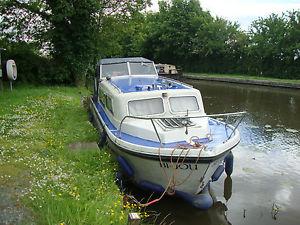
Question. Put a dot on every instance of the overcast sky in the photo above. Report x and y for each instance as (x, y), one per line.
(245, 11)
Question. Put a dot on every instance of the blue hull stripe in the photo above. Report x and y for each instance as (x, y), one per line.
(217, 131)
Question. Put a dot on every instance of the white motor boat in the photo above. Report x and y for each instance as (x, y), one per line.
(159, 131)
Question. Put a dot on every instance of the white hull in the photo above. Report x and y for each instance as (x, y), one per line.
(190, 174)
(191, 177)
(158, 129)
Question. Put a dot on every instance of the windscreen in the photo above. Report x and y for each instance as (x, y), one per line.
(142, 68)
(113, 70)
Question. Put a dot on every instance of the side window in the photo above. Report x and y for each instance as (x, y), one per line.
(102, 98)
(144, 107)
(105, 101)
(184, 103)
(109, 104)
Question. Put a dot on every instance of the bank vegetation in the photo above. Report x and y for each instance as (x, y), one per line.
(51, 170)
(61, 41)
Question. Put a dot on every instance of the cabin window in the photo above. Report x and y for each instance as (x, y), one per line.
(109, 104)
(145, 107)
(183, 104)
(102, 97)
(113, 70)
(142, 68)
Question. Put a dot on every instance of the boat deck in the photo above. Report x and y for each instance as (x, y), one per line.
(138, 84)
(217, 133)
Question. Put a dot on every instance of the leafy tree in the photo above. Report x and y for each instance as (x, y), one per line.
(275, 45)
(183, 33)
(171, 31)
(292, 53)
(68, 28)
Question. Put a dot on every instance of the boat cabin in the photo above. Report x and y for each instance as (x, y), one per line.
(131, 87)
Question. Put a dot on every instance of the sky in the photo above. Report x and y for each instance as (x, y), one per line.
(244, 11)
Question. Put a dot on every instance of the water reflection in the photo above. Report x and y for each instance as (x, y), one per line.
(267, 159)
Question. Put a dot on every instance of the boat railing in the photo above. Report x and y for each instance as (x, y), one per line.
(176, 81)
(108, 78)
(241, 114)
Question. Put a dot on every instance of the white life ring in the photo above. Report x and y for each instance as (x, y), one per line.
(11, 69)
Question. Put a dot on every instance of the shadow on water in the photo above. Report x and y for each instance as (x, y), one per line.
(265, 181)
(173, 210)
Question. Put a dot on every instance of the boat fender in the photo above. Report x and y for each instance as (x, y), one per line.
(227, 188)
(102, 139)
(229, 164)
(151, 186)
(128, 170)
(217, 173)
(202, 201)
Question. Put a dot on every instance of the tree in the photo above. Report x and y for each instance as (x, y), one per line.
(171, 31)
(70, 28)
(182, 33)
(274, 47)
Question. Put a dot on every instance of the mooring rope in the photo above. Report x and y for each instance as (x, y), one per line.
(188, 146)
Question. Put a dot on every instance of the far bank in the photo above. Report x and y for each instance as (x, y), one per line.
(246, 80)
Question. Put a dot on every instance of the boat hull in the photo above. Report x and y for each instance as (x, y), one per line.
(188, 175)
(185, 175)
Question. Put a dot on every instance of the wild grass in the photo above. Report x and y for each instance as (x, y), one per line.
(57, 184)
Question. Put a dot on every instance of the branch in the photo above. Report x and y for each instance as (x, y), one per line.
(30, 7)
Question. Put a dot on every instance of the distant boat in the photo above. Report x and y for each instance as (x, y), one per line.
(158, 130)
(168, 70)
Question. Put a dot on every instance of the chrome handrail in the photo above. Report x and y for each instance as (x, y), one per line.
(243, 113)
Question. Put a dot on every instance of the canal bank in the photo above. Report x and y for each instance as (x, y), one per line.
(282, 84)
(51, 170)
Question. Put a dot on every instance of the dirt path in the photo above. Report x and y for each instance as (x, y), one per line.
(11, 211)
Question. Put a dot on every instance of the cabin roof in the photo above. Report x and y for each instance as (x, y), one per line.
(123, 60)
(140, 84)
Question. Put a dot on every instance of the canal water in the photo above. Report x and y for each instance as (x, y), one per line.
(265, 185)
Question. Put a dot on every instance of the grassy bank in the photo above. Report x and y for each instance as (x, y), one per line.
(243, 77)
(54, 181)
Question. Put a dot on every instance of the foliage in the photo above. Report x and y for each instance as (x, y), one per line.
(182, 33)
(67, 30)
(74, 34)
(274, 46)
(32, 68)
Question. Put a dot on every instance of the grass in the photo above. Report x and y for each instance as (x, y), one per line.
(56, 184)
(243, 77)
